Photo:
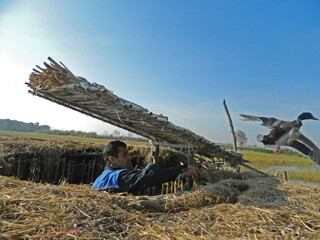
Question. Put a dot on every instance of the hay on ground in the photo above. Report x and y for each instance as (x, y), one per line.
(228, 209)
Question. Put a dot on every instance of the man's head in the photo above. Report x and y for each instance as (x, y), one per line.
(116, 154)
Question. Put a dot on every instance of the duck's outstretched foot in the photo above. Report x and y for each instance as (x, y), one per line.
(275, 151)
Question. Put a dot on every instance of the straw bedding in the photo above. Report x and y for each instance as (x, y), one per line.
(232, 206)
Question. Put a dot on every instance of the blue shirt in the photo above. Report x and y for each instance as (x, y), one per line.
(107, 179)
(114, 179)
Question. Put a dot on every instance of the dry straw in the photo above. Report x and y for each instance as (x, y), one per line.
(224, 205)
(56, 83)
(232, 206)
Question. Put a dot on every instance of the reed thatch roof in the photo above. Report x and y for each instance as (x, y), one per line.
(58, 84)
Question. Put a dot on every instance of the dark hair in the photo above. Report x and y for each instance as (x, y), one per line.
(111, 149)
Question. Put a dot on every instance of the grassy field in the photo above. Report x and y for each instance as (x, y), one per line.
(305, 169)
(261, 159)
(64, 137)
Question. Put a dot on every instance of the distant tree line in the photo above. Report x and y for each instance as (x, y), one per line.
(18, 126)
(74, 133)
(13, 125)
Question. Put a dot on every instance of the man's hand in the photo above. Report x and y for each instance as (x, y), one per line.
(191, 171)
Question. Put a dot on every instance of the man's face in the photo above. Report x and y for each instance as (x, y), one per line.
(123, 160)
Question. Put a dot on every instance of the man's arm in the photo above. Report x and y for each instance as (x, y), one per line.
(152, 175)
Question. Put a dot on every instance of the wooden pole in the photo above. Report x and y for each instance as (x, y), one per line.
(285, 176)
(155, 159)
(190, 163)
(253, 169)
(172, 186)
(155, 153)
(231, 125)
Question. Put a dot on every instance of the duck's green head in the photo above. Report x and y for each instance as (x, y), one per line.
(306, 115)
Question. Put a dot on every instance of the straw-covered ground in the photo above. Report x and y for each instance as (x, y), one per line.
(231, 206)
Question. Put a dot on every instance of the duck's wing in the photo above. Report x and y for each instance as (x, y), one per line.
(283, 127)
(268, 122)
(305, 146)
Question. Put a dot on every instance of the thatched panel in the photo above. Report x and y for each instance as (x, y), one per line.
(58, 84)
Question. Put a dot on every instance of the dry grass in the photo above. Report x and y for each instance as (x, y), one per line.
(235, 206)
(226, 205)
(45, 136)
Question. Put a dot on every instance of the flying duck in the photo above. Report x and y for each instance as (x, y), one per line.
(286, 133)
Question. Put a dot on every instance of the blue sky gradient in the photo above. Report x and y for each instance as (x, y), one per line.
(179, 58)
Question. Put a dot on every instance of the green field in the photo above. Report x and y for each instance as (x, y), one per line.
(64, 137)
(262, 159)
(304, 169)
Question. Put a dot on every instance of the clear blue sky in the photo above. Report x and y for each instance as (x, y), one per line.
(179, 58)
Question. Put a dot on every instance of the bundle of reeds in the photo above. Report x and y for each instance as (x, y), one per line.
(58, 84)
